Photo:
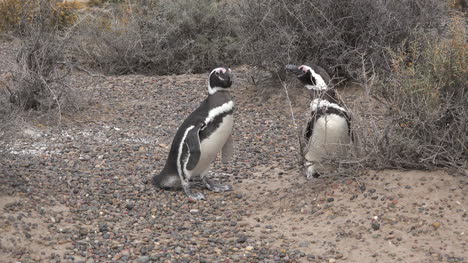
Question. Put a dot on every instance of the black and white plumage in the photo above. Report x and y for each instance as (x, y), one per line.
(328, 130)
(202, 135)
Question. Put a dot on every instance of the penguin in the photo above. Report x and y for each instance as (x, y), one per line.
(328, 129)
(203, 134)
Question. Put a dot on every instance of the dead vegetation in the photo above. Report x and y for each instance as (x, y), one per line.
(157, 37)
(330, 33)
(400, 52)
(427, 100)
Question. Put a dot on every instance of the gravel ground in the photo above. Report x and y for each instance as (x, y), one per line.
(80, 192)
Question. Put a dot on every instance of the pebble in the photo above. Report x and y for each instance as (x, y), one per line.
(143, 259)
(109, 195)
(375, 225)
(241, 239)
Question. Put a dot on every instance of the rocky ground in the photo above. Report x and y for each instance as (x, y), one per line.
(80, 191)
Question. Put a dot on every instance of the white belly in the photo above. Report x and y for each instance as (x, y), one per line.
(211, 146)
(330, 136)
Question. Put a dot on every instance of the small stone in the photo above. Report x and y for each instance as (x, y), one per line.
(194, 211)
(331, 260)
(436, 225)
(83, 231)
(331, 199)
(178, 250)
(103, 227)
(249, 248)
(143, 259)
(241, 239)
(304, 244)
(375, 225)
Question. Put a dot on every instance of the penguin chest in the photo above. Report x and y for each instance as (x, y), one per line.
(329, 136)
(213, 143)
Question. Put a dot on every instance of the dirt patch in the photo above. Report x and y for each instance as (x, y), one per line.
(31, 232)
(385, 216)
(80, 191)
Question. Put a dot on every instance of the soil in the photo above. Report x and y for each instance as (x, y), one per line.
(78, 189)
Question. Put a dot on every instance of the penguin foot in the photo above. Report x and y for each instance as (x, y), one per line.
(217, 187)
(190, 194)
(311, 173)
(196, 196)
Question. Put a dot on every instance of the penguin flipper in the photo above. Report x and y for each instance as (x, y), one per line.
(310, 126)
(193, 143)
(228, 150)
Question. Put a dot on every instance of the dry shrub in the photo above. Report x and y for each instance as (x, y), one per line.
(96, 3)
(157, 37)
(39, 79)
(331, 33)
(7, 117)
(16, 15)
(427, 104)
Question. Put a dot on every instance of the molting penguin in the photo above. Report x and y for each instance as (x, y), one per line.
(202, 135)
(328, 130)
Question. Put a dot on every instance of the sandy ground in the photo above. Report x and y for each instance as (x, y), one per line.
(79, 192)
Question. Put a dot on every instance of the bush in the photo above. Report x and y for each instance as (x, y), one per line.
(7, 116)
(331, 33)
(39, 77)
(158, 37)
(16, 15)
(427, 97)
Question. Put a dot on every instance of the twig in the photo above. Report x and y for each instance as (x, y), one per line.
(301, 149)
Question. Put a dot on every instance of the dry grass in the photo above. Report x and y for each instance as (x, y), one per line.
(423, 104)
(17, 15)
(157, 37)
(331, 33)
(39, 77)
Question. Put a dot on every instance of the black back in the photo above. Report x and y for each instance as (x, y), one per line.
(219, 78)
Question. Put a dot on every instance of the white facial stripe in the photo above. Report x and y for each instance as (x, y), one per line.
(319, 103)
(319, 82)
(218, 111)
(305, 68)
(219, 70)
(181, 147)
(213, 90)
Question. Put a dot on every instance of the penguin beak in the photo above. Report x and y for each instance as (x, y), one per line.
(294, 69)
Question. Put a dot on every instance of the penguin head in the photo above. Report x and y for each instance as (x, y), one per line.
(219, 79)
(314, 78)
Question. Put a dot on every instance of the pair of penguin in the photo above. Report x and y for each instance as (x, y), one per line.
(208, 131)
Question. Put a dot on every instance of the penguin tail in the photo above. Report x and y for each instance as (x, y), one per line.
(167, 181)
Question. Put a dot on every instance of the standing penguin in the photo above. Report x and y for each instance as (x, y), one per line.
(202, 135)
(329, 127)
